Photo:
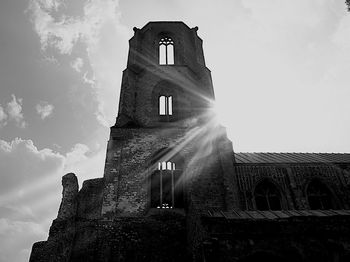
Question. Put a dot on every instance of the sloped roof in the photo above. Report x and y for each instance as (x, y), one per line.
(267, 158)
(270, 215)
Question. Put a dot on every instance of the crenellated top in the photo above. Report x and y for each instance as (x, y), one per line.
(166, 43)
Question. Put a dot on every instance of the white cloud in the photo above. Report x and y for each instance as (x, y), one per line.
(44, 109)
(3, 117)
(61, 34)
(90, 81)
(44, 164)
(30, 192)
(99, 29)
(51, 4)
(77, 64)
(34, 163)
(65, 32)
(77, 154)
(29, 195)
(14, 111)
(82, 162)
(14, 239)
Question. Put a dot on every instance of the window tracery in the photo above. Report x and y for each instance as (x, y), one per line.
(166, 186)
(267, 196)
(166, 51)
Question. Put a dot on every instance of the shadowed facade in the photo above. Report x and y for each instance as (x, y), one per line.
(174, 190)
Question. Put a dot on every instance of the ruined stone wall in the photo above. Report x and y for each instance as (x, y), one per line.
(156, 238)
(90, 199)
(68, 207)
(58, 246)
(309, 239)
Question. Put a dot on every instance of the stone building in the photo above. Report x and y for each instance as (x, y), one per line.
(174, 190)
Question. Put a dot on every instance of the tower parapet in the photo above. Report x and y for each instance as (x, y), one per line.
(166, 79)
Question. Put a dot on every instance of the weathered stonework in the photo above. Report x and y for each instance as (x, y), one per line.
(174, 190)
(68, 207)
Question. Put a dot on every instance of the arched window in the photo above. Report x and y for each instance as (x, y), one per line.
(166, 186)
(165, 105)
(267, 196)
(166, 51)
(319, 196)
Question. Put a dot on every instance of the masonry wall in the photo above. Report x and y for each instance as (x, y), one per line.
(309, 239)
(129, 167)
(144, 44)
(156, 238)
(90, 199)
(292, 181)
(140, 92)
(188, 80)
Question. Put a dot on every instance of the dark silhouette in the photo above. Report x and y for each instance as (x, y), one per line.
(174, 190)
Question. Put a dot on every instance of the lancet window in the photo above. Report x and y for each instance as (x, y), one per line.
(166, 51)
(166, 185)
(166, 105)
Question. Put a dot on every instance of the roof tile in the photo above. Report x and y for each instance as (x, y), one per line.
(270, 158)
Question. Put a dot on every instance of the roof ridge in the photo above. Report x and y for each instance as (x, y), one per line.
(318, 153)
(284, 157)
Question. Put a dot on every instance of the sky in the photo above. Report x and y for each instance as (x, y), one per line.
(280, 71)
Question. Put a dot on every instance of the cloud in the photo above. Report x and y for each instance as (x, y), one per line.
(14, 111)
(27, 174)
(81, 161)
(77, 64)
(30, 192)
(98, 28)
(44, 109)
(90, 81)
(34, 163)
(43, 166)
(15, 236)
(3, 117)
(62, 34)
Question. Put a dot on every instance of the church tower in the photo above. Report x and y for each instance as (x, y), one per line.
(174, 190)
(164, 124)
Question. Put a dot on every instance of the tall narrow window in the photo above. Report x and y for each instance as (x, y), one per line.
(319, 196)
(166, 185)
(165, 105)
(166, 51)
(162, 105)
(170, 105)
(267, 196)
